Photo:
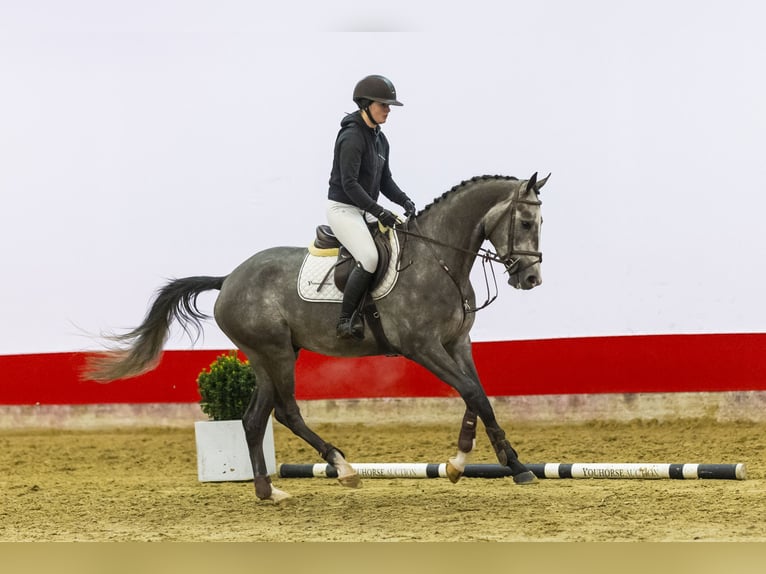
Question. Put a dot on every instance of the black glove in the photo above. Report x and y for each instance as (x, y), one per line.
(387, 218)
(409, 208)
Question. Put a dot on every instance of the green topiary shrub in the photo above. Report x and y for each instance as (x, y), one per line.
(226, 387)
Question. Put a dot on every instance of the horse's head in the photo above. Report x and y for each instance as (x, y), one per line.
(514, 230)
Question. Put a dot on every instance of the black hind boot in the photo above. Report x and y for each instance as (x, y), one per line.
(350, 325)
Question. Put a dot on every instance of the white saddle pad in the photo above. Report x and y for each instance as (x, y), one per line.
(316, 281)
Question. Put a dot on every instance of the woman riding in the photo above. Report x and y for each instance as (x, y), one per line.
(360, 173)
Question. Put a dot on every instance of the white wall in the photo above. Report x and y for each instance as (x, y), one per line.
(145, 140)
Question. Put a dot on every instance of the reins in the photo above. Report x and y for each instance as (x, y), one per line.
(487, 256)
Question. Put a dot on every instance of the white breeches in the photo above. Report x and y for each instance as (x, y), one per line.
(350, 227)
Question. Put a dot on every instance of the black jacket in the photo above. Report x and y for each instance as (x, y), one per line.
(360, 170)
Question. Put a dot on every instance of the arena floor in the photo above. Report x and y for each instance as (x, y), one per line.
(141, 485)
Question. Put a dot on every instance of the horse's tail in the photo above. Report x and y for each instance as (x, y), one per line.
(139, 350)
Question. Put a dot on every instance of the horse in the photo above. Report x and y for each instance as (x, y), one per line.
(426, 317)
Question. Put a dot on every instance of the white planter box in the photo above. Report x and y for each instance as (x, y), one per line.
(222, 453)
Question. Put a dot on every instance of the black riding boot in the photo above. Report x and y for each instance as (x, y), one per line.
(350, 325)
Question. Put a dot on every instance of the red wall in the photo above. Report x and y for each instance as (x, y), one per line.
(629, 364)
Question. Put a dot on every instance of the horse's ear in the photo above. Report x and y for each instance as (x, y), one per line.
(529, 185)
(541, 183)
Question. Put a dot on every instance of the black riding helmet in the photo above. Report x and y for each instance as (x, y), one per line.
(375, 89)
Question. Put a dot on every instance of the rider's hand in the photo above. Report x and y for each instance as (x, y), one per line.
(409, 208)
(387, 218)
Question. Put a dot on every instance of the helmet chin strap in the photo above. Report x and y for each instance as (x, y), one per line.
(367, 113)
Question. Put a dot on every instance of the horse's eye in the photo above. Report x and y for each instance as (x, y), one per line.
(526, 225)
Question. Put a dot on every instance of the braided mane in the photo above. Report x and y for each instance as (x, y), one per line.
(462, 185)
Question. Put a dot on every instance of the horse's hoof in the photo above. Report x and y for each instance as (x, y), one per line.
(278, 496)
(526, 477)
(350, 480)
(453, 473)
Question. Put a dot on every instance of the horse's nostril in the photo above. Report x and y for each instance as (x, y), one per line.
(533, 280)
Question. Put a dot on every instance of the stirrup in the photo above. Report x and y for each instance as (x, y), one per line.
(350, 328)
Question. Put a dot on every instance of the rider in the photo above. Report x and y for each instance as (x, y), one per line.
(360, 172)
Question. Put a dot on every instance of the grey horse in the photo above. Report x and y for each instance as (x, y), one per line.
(427, 317)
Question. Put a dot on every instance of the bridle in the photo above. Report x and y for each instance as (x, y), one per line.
(510, 260)
(511, 264)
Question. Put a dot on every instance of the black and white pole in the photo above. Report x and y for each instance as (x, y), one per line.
(604, 470)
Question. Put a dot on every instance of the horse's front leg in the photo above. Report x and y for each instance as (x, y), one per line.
(462, 378)
(465, 443)
(461, 353)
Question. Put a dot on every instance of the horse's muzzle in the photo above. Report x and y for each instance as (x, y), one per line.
(524, 270)
(526, 279)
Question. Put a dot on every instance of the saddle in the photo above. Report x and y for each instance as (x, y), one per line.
(326, 244)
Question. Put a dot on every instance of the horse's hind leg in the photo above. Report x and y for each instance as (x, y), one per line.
(274, 367)
(254, 422)
(288, 413)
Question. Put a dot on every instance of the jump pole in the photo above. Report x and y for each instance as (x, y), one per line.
(604, 470)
